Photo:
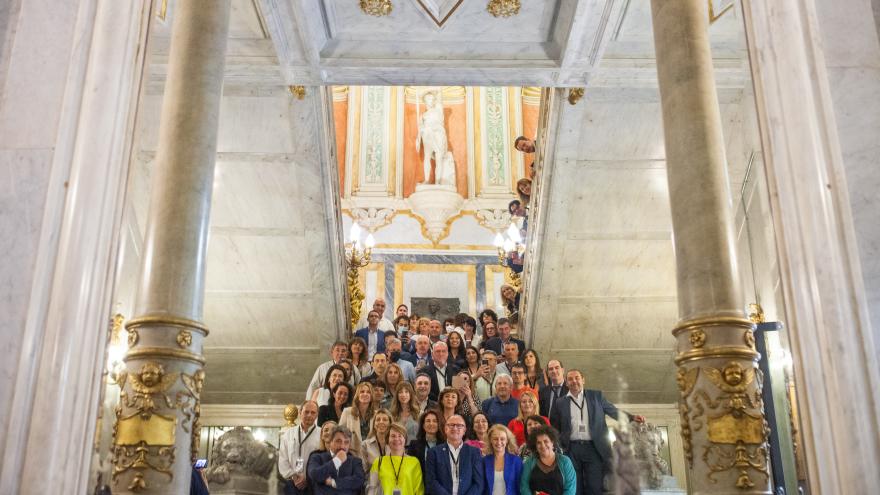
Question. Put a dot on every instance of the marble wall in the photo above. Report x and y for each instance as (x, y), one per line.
(271, 299)
(852, 60)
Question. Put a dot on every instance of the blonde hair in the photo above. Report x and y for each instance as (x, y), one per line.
(393, 388)
(321, 444)
(355, 408)
(522, 417)
(384, 412)
(399, 428)
(511, 440)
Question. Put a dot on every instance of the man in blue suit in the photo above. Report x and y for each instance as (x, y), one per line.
(336, 471)
(580, 418)
(371, 334)
(453, 468)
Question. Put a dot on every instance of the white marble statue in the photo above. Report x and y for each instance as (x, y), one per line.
(432, 134)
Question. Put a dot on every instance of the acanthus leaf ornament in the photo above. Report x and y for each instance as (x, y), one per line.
(494, 220)
(503, 8)
(575, 95)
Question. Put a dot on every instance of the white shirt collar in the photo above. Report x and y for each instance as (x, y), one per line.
(455, 450)
(576, 397)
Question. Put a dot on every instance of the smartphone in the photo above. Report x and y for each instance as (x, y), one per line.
(201, 464)
(459, 381)
(485, 362)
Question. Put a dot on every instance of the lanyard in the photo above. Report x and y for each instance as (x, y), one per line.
(301, 439)
(454, 461)
(395, 470)
(579, 406)
(531, 382)
(442, 373)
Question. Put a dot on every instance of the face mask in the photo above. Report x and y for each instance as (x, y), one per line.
(449, 328)
(403, 328)
(395, 355)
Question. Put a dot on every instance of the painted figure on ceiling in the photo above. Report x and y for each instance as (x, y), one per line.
(432, 133)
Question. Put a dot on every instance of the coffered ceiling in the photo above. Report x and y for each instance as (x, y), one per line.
(547, 43)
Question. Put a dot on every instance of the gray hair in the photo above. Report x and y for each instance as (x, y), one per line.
(501, 376)
(436, 344)
(395, 340)
(344, 431)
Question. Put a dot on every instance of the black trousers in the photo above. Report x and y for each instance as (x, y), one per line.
(589, 467)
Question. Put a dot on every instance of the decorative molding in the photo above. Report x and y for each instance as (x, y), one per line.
(377, 8)
(832, 347)
(268, 415)
(494, 220)
(575, 95)
(724, 6)
(372, 219)
(439, 11)
(503, 8)
(298, 91)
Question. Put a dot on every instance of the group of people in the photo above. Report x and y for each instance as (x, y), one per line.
(415, 406)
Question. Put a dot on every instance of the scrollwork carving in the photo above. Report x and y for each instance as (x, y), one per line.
(729, 406)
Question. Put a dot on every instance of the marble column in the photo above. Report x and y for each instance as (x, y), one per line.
(156, 425)
(723, 426)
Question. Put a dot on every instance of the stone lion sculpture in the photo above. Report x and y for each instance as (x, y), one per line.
(237, 454)
(647, 440)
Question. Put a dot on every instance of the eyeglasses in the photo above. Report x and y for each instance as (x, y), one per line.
(456, 427)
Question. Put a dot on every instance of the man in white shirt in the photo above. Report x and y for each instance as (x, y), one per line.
(423, 391)
(579, 417)
(296, 444)
(372, 334)
(338, 352)
(511, 357)
(384, 323)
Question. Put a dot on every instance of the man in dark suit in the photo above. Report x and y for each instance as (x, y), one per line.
(497, 343)
(454, 463)
(372, 335)
(439, 369)
(337, 471)
(580, 418)
(554, 389)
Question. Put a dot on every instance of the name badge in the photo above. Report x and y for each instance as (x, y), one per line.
(397, 492)
(299, 465)
(582, 428)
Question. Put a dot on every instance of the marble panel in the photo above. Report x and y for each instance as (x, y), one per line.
(256, 195)
(615, 197)
(628, 323)
(274, 375)
(467, 230)
(849, 36)
(260, 320)
(608, 268)
(855, 93)
(404, 229)
(257, 124)
(36, 76)
(622, 131)
(244, 20)
(257, 263)
(24, 178)
(632, 376)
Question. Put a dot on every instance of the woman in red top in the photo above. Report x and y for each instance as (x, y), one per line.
(528, 406)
